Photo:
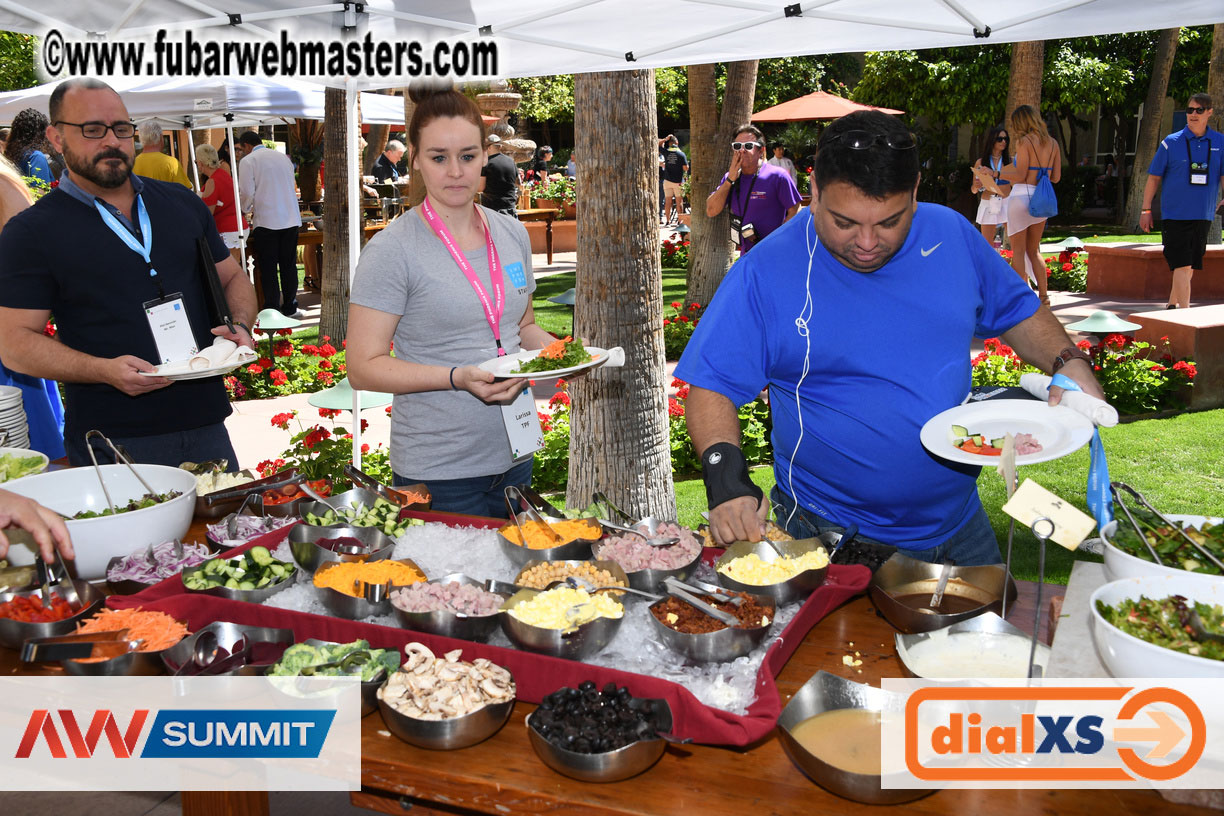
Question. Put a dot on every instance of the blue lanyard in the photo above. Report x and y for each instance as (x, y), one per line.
(1099, 500)
(144, 249)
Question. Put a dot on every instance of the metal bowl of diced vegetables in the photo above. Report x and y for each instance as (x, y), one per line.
(358, 508)
(253, 576)
(326, 658)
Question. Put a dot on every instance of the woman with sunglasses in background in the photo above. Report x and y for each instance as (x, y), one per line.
(992, 210)
(762, 197)
(450, 283)
(1035, 149)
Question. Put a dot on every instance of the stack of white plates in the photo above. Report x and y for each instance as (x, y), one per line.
(13, 418)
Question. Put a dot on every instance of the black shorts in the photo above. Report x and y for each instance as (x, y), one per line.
(1184, 242)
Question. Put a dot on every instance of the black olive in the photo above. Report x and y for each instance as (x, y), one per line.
(582, 746)
(624, 693)
(587, 685)
(609, 689)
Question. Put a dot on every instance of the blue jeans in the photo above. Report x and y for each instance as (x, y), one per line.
(195, 445)
(475, 495)
(974, 544)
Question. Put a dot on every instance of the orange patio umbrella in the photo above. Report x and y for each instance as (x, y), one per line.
(818, 105)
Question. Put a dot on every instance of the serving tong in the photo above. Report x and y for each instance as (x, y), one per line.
(1115, 487)
(252, 489)
(120, 458)
(238, 641)
(352, 661)
(362, 479)
(373, 593)
(53, 575)
(104, 645)
(651, 535)
(532, 512)
(682, 591)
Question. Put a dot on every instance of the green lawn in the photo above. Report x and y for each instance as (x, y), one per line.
(1105, 233)
(1175, 462)
(558, 319)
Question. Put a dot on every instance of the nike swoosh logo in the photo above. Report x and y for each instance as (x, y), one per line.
(927, 252)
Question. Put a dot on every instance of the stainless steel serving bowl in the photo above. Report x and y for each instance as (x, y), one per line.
(585, 640)
(248, 595)
(648, 580)
(902, 576)
(304, 538)
(223, 508)
(990, 630)
(611, 567)
(721, 646)
(229, 635)
(447, 735)
(347, 500)
(452, 624)
(14, 633)
(132, 664)
(578, 549)
(828, 692)
(606, 766)
(353, 608)
(788, 591)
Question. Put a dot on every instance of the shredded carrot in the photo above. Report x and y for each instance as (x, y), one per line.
(344, 576)
(157, 630)
(556, 349)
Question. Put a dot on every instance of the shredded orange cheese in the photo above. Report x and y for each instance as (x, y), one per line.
(344, 576)
(539, 539)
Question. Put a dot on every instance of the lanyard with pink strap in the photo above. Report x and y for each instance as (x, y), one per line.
(493, 311)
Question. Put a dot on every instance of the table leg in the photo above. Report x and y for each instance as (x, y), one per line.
(548, 239)
(225, 803)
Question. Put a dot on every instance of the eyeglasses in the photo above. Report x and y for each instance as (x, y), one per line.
(1196, 110)
(865, 140)
(745, 145)
(97, 130)
(1002, 138)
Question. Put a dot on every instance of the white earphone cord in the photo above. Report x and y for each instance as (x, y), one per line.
(801, 325)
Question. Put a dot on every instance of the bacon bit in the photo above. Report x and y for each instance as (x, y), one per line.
(556, 349)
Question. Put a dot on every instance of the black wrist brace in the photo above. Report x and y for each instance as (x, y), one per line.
(726, 475)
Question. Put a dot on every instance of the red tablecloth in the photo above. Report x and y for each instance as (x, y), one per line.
(535, 675)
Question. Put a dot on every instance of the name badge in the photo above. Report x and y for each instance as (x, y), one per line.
(1198, 179)
(516, 273)
(171, 328)
(522, 425)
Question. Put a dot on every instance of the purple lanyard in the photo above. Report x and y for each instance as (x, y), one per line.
(493, 311)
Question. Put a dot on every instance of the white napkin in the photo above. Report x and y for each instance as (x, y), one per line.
(1099, 411)
(221, 353)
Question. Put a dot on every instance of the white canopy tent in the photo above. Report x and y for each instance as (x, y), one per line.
(534, 37)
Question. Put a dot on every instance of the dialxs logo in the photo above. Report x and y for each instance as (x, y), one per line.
(1049, 723)
(180, 734)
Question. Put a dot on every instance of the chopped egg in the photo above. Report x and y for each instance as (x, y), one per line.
(566, 608)
(751, 569)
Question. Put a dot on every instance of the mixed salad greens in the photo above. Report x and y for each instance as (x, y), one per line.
(13, 466)
(1164, 622)
(147, 500)
(1173, 549)
(563, 353)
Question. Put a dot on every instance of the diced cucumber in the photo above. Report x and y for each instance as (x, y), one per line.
(998, 442)
(960, 430)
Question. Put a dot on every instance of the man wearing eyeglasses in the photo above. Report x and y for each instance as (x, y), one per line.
(1187, 169)
(762, 197)
(859, 316)
(113, 257)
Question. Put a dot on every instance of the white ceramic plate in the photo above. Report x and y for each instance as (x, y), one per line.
(179, 371)
(22, 453)
(505, 366)
(1059, 429)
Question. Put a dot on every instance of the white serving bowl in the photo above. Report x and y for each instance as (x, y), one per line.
(1127, 656)
(23, 453)
(98, 540)
(1119, 564)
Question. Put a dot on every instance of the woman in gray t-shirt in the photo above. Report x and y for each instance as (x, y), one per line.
(446, 428)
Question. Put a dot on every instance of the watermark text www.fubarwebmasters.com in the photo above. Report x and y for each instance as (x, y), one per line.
(190, 56)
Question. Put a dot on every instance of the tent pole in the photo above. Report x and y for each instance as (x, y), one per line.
(353, 133)
(242, 238)
(195, 171)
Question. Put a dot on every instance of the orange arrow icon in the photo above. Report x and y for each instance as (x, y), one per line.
(1166, 734)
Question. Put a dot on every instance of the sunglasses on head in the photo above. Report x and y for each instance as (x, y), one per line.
(745, 145)
(1195, 110)
(865, 140)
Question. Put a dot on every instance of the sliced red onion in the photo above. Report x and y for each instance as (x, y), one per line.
(248, 527)
(136, 567)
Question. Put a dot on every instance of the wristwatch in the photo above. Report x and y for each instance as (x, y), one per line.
(1067, 355)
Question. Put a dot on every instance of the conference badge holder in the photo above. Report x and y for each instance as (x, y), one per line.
(522, 425)
(171, 328)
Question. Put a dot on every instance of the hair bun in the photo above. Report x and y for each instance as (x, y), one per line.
(423, 89)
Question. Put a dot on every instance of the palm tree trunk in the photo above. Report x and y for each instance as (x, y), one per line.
(1215, 87)
(712, 132)
(333, 319)
(1027, 66)
(1149, 127)
(619, 439)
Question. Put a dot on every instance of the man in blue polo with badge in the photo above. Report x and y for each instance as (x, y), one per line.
(1187, 169)
(115, 259)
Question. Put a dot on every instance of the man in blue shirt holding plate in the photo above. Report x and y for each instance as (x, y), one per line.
(1187, 169)
(859, 315)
